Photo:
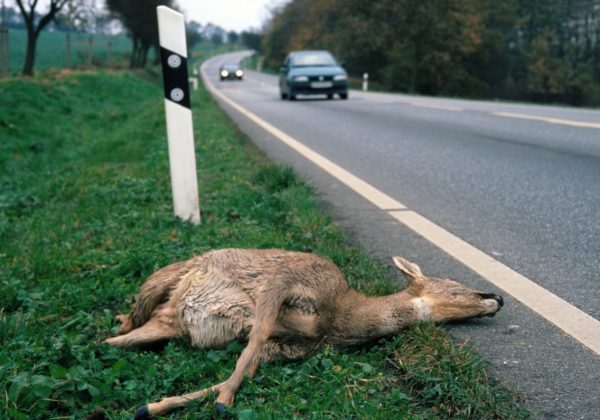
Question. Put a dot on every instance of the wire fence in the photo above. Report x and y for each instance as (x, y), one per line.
(60, 50)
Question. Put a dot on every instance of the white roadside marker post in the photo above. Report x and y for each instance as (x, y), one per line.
(180, 131)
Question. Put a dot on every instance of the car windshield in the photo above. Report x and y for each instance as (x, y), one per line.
(313, 59)
(230, 67)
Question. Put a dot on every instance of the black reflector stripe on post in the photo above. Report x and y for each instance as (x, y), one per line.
(175, 77)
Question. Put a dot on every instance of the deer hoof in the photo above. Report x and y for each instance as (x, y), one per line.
(142, 413)
(221, 409)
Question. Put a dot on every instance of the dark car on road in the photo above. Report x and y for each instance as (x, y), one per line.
(312, 72)
(231, 72)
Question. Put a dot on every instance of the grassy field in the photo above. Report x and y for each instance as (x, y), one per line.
(52, 50)
(85, 216)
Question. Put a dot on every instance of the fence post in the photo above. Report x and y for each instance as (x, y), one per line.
(180, 131)
(4, 64)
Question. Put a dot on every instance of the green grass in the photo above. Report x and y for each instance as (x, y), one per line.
(51, 51)
(86, 215)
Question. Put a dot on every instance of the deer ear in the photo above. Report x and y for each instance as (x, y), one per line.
(413, 275)
(411, 270)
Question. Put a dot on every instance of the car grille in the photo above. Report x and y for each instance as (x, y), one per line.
(320, 78)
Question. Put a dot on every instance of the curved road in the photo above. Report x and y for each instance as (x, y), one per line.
(511, 191)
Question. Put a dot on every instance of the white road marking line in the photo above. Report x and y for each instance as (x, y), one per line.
(551, 120)
(556, 310)
(436, 106)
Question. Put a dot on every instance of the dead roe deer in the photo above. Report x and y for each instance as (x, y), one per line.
(283, 304)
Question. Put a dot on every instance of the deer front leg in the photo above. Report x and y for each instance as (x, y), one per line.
(226, 390)
(246, 364)
(267, 308)
(169, 404)
(266, 352)
(270, 351)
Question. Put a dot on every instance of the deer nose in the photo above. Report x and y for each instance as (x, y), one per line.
(497, 298)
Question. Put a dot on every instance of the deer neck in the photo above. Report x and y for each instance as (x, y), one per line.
(361, 319)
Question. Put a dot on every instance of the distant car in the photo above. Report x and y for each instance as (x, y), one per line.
(231, 72)
(312, 72)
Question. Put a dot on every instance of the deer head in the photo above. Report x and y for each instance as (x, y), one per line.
(442, 300)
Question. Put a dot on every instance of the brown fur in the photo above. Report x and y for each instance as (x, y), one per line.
(283, 304)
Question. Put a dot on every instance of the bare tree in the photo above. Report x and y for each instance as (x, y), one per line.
(27, 9)
(193, 33)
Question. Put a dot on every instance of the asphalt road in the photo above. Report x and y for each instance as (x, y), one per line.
(521, 183)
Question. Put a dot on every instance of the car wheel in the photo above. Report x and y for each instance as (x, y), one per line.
(283, 95)
(344, 95)
(290, 92)
(330, 96)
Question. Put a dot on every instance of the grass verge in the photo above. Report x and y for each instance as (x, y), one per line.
(85, 216)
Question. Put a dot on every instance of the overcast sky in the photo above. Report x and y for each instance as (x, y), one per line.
(232, 15)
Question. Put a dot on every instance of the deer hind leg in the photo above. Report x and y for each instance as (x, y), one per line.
(267, 308)
(162, 326)
(156, 291)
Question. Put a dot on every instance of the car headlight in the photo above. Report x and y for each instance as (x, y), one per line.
(239, 73)
(301, 79)
(224, 73)
(340, 77)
